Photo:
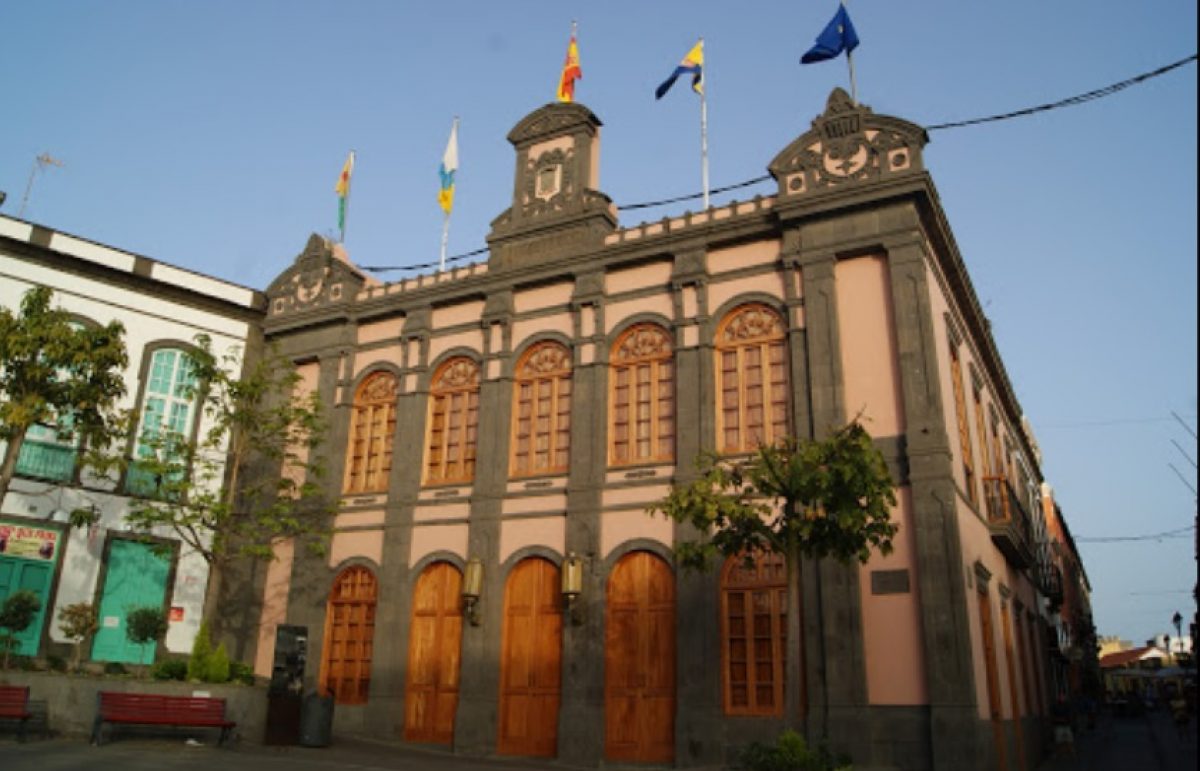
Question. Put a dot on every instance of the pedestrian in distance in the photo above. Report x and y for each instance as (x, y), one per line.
(1064, 732)
(1179, 714)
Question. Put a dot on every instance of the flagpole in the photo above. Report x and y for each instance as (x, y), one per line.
(853, 87)
(850, 63)
(704, 126)
(445, 240)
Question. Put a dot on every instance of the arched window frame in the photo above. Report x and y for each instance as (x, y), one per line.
(348, 644)
(751, 409)
(372, 433)
(642, 396)
(753, 634)
(542, 411)
(453, 422)
(169, 400)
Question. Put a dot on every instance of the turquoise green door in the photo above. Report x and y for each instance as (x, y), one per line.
(17, 574)
(136, 578)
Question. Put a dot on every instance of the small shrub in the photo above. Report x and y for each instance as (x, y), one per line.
(218, 666)
(197, 666)
(170, 669)
(56, 663)
(241, 673)
(790, 753)
(145, 625)
(115, 668)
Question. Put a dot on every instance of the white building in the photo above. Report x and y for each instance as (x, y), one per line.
(163, 309)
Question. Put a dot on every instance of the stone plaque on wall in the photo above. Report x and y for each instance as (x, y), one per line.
(889, 581)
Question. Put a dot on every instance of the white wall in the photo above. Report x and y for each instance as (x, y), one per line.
(147, 318)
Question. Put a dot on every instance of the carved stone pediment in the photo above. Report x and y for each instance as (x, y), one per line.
(553, 120)
(317, 278)
(848, 145)
(556, 211)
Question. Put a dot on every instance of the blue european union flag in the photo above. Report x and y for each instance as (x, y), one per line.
(838, 36)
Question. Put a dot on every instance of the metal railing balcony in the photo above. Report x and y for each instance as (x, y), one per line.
(46, 460)
(1012, 530)
(1052, 585)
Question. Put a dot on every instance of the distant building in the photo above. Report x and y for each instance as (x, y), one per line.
(1137, 671)
(494, 583)
(163, 308)
(1074, 647)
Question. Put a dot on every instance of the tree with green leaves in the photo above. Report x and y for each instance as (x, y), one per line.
(251, 478)
(146, 625)
(16, 614)
(802, 499)
(78, 622)
(60, 375)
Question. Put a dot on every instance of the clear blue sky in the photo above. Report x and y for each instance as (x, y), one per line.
(210, 135)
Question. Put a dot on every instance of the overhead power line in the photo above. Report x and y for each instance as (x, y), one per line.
(1070, 101)
(1176, 533)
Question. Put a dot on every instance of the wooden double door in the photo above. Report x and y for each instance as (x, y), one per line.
(639, 661)
(435, 643)
(531, 660)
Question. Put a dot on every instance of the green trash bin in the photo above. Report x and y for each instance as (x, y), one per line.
(316, 721)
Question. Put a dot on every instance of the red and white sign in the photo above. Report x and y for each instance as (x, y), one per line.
(27, 542)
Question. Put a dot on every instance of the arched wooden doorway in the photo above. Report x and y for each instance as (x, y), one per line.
(349, 636)
(639, 661)
(531, 660)
(434, 646)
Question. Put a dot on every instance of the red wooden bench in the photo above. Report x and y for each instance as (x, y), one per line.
(14, 705)
(154, 709)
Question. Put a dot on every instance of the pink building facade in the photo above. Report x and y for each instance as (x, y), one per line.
(494, 582)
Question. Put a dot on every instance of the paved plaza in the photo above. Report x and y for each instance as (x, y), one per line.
(1149, 743)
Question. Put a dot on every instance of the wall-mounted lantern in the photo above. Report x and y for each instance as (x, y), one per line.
(572, 585)
(471, 588)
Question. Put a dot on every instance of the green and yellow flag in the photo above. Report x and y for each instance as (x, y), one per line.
(343, 190)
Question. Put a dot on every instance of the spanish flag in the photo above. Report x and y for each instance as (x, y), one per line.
(570, 71)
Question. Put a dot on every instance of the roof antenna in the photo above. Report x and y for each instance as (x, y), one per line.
(39, 164)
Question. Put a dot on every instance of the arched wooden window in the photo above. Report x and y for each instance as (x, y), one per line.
(754, 634)
(643, 396)
(349, 636)
(372, 429)
(453, 422)
(964, 426)
(752, 379)
(542, 413)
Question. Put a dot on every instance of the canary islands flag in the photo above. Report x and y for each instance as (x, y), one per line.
(692, 64)
(838, 36)
(342, 188)
(571, 72)
(448, 168)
